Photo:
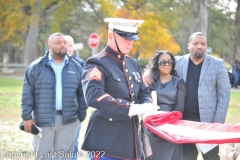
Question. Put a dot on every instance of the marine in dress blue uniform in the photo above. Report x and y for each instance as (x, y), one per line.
(112, 81)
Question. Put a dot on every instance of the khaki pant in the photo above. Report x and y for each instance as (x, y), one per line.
(57, 142)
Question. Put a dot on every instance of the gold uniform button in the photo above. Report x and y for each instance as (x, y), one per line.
(131, 85)
(126, 70)
(132, 94)
(119, 56)
(110, 119)
(127, 103)
(120, 100)
(130, 78)
(132, 102)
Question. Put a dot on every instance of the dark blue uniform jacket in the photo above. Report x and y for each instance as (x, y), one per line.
(111, 82)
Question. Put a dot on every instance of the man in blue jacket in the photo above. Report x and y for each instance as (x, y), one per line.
(52, 99)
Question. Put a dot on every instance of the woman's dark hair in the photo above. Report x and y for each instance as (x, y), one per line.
(153, 66)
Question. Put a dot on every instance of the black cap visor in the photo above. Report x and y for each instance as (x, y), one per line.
(128, 35)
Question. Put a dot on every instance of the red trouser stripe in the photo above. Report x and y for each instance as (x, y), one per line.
(95, 158)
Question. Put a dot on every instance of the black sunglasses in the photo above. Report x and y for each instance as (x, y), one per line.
(163, 62)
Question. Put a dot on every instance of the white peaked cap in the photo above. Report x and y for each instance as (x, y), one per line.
(126, 25)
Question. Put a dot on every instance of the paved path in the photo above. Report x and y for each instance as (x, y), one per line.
(235, 90)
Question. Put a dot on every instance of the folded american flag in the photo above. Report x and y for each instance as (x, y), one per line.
(169, 126)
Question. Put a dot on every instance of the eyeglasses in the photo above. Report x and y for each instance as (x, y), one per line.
(163, 62)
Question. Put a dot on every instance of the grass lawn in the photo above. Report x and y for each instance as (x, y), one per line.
(233, 114)
(13, 140)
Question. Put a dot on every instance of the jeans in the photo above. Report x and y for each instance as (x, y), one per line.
(236, 76)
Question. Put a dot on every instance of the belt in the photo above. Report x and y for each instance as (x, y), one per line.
(59, 112)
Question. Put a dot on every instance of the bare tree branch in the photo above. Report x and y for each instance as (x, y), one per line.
(51, 8)
(96, 12)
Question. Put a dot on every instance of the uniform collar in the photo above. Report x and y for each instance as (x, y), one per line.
(114, 54)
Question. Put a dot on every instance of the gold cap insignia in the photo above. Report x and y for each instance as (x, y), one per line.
(135, 24)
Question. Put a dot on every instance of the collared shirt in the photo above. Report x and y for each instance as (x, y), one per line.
(58, 75)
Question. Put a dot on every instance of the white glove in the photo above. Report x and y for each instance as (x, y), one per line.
(139, 109)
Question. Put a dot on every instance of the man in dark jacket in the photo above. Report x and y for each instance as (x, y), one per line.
(52, 99)
(70, 50)
(112, 81)
(236, 73)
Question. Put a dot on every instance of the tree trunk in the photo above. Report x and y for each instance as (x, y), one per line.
(236, 46)
(199, 16)
(11, 55)
(31, 37)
